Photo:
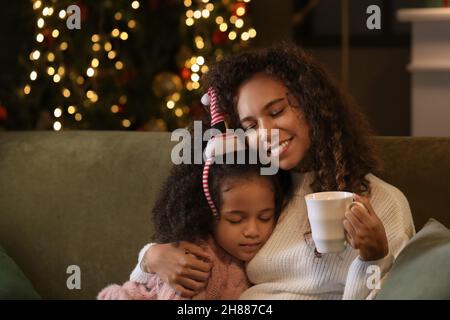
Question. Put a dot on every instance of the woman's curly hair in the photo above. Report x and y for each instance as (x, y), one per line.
(340, 153)
(181, 212)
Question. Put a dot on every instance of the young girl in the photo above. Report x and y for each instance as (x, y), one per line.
(325, 144)
(230, 216)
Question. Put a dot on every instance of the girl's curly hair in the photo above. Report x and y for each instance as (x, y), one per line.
(341, 153)
(181, 212)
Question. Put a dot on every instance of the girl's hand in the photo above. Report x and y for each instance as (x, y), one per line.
(365, 231)
(185, 267)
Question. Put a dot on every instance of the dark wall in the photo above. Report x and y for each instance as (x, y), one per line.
(378, 79)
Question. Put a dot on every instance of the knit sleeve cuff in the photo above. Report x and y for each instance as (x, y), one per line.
(138, 275)
(365, 276)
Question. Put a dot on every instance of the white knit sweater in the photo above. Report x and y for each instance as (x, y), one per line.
(286, 267)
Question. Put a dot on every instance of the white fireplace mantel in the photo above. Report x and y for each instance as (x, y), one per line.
(430, 68)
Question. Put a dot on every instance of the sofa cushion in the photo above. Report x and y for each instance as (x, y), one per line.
(421, 271)
(13, 283)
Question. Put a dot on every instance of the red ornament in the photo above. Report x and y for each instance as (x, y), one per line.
(185, 73)
(83, 11)
(3, 113)
(219, 37)
(48, 39)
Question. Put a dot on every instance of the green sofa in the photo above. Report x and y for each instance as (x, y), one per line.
(84, 198)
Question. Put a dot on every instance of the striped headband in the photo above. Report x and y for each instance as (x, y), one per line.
(217, 145)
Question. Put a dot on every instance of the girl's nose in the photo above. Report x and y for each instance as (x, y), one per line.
(251, 229)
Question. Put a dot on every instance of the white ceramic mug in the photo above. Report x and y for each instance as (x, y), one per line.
(326, 213)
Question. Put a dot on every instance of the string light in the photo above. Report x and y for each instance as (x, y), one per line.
(252, 33)
(204, 69)
(40, 23)
(190, 14)
(78, 117)
(27, 89)
(240, 11)
(95, 63)
(131, 24)
(135, 5)
(187, 3)
(126, 123)
(56, 78)
(95, 38)
(210, 7)
(90, 72)
(197, 14)
(66, 93)
(108, 46)
(63, 46)
(233, 19)
(96, 47)
(199, 42)
(115, 33)
(239, 23)
(219, 20)
(55, 33)
(57, 126)
(92, 95)
(232, 35)
(119, 65)
(57, 112)
(37, 5)
(124, 35)
(118, 16)
(245, 36)
(114, 108)
(205, 13)
(62, 14)
(189, 22)
(50, 71)
(50, 57)
(123, 99)
(178, 112)
(200, 60)
(35, 55)
(195, 85)
(33, 75)
(223, 27)
(39, 37)
(176, 97)
(111, 54)
(61, 70)
(170, 104)
(195, 68)
(195, 77)
(71, 109)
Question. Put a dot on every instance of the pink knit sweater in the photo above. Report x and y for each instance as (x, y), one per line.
(227, 281)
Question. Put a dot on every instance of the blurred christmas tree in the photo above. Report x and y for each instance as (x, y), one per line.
(132, 65)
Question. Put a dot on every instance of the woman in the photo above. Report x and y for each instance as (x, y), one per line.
(324, 142)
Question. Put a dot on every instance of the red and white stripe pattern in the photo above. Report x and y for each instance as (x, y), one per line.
(206, 186)
(216, 116)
